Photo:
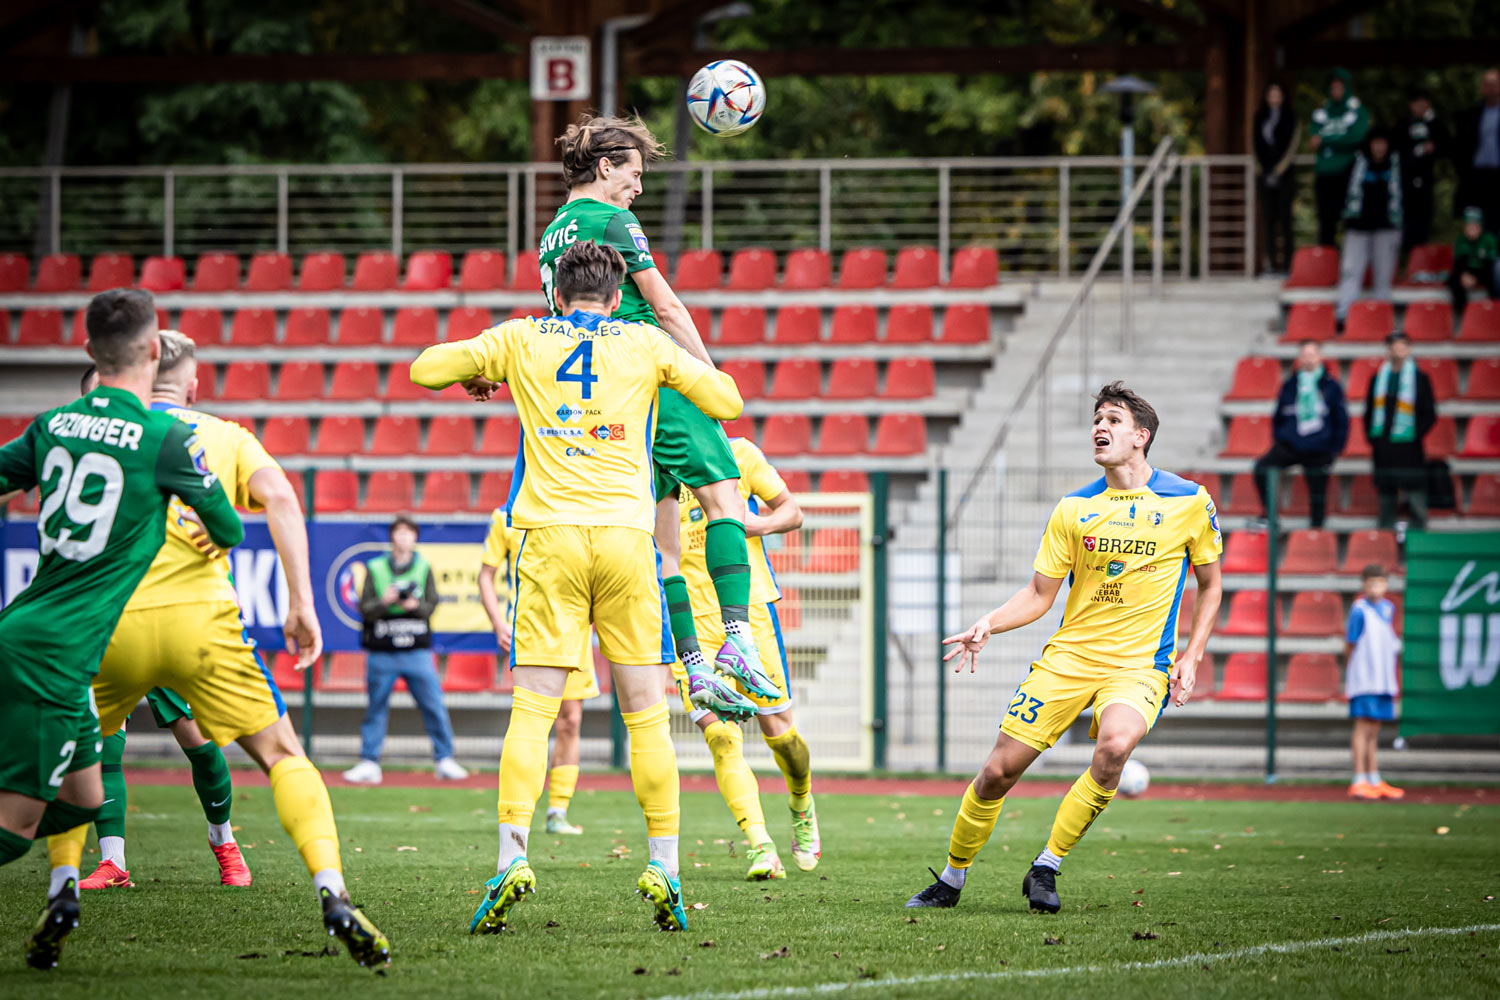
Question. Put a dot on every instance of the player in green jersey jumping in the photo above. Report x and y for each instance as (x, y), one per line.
(106, 466)
(603, 159)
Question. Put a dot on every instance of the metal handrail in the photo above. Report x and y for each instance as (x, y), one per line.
(1037, 380)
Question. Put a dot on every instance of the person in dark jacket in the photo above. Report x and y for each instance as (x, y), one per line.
(1372, 222)
(1309, 428)
(1399, 412)
(1277, 133)
(1337, 132)
(1476, 153)
(1476, 262)
(1425, 140)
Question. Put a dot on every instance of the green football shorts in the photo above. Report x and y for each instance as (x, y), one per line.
(167, 706)
(690, 447)
(47, 741)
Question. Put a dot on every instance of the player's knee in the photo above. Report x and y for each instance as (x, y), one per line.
(1112, 751)
(566, 725)
(994, 779)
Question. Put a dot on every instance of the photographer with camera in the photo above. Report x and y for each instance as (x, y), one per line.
(397, 602)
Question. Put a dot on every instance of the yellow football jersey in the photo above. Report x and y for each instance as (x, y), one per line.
(585, 387)
(1126, 553)
(180, 574)
(758, 480)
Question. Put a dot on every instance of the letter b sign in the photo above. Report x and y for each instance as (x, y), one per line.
(560, 69)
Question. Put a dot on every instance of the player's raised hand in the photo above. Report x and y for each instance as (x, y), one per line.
(1184, 676)
(304, 636)
(480, 388)
(967, 644)
(197, 533)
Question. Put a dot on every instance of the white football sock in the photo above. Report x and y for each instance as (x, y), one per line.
(60, 876)
(1373, 777)
(694, 661)
(664, 849)
(739, 627)
(953, 877)
(331, 879)
(113, 849)
(219, 834)
(1048, 860)
(512, 845)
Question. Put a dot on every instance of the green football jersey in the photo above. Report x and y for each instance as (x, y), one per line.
(107, 467)
(607, 225)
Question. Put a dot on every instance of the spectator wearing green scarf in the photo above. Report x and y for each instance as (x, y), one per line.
(1337, 131)
(1476, 262)
(1372, 223)
(1399, 412)
(1309, 428)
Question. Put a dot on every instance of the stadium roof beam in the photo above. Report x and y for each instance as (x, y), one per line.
(274, 68)
(1010, 60)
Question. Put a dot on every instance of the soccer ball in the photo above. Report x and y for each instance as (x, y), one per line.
(726, 97)
(1134, 779)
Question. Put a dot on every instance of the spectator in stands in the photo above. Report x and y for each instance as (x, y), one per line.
(1425, 141)
(1277, 134)
(1309, 428)
(397, 602)
(1476, 262)
(1371, 646)
(1338, 130)
(1476, 153)
(1399, 413)
(1372, 222)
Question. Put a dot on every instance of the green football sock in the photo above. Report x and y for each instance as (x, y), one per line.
(211, 781)
(680, 615)
(13, 846)
(729, 567)
(111, 821)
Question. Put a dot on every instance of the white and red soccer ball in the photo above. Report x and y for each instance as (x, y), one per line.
(726, 97)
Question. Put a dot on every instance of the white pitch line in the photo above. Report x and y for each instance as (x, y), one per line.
(1197, 958)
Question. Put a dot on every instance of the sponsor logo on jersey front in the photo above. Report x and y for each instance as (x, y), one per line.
(696, 514)
(580, 453)
(610, 432)
(1115, 568)
(568, 412)
(1156, 518)
(1085, 519)
(1104, 544)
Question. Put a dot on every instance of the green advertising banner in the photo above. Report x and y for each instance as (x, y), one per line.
(1451, 653)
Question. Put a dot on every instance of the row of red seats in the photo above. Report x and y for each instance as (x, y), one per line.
(1250, 437)
(1261, 378)
(750, 269)
(1370, 321)
(1318, 267)
(417, 326)
(1235, 495)
(1311, 678)
(1309, 614)
(1311, 552)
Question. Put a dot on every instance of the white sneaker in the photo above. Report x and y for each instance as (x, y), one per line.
(366, 772)
(449, 769)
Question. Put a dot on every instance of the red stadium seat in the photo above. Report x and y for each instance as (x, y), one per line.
(390, 492)
(482, 271)
(1207, 676)
(494, 487)
(862, 267)
(916, 267)
(322, 272)
(470, 321)
(375, 271)
(470, 673)
(286, 676)
(208, 386)
(1362, 501)
(306, 328)
(416, 326)
(662, 262)
(1481, 323)
(786, 435)
(428, 271)
(1310, 553)
(699, 271)
(12, 428)
(1294, 500)
(797, 325)
(789, 555)
(703, 321)
(1481, 441)
(741, 426)
(1310, 321)
(1247, 613)
(1428, 321)
(1429, 264)
(974, 267)
(1361, 372)
(361, 327)
(1243, 500)
(797, 480)
(396, 435)
(1485, 500)
(501, 438)
(248, 381)
(528, 276)
(527, 312)
(253, 328)
(355, 380)
(15, 272)
(340, 436)
(1442, 440)
(1367, 547)
(833, 550)
(1369, 321)
(1255, 378)
(966, 324)
(1245, 552)
(111, 270)
(1314, 267)
(807, 269)
(1209, 481)
(1484, 379)
(286, 435)
(843, 481)
(749, 374)
(910, 378)
(1444, 375)
(742, 325)
(899, 434)
(59, 272)
(299, 487)
(909, 324)
(450, 435)
(204, 326)
(164, 274)
(216, 272)
(335, 491)
(42, 328)
(852, 378)
(445, 492)
(346, 672)
(853, 325)
(844, 434)
(1249, 437)
(300, 380)
(752, 270)
(1312, 678)
(1185, 611)
(1315, 613)
(1244, 678)
(271, 272)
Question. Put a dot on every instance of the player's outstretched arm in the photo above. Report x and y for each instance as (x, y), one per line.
(270, 488)
(707, 388)
(785, 515)
(671, 313)
(1205, 614)
(181, 469)
(1024, 607)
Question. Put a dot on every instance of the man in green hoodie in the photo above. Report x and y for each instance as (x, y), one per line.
(1338, 131)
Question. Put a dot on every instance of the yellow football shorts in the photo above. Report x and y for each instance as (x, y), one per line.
(583, 682)
(200, 651)
(1059, 687)
(766, 627)
(570, 575)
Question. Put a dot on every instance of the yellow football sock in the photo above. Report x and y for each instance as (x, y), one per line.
(1080, 807)
(67, 848)
(523, 756)
(736, 781)
(972, 827)
(306, 814)
(653, 769)
(562, 781)
(794, 759)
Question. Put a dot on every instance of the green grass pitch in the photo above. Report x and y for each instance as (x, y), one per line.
(1165, 898)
